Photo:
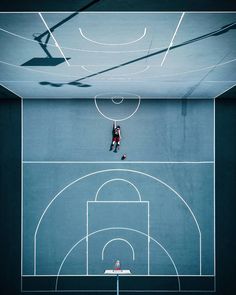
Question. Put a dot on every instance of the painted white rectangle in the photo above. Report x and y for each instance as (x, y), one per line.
(117, 272)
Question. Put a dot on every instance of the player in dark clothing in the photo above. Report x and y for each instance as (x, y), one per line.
(116, 137)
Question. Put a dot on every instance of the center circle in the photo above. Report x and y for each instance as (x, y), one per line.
(119, 100)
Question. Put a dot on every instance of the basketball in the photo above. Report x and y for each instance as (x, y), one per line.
(124, 157)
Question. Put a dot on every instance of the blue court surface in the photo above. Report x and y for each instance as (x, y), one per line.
(150, 54)
(83, 207)
(156, 74)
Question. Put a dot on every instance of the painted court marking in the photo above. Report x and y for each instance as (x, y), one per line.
(118, 228)
(120, 75)
(69, 48)
(117, 99)
(118, 179)
(117, 119)
(119, 202)
(112, 44)
(56, 44)
(113, 170)
(153, 77)
(171, 42)
(79, 49)
(118, 239)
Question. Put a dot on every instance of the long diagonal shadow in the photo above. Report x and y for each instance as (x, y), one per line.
(222, 30)
(42, 44)
(218, 32)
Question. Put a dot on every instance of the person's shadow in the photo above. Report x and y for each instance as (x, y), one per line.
(73, 83)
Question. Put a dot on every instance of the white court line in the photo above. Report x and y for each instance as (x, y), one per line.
(123, 291)
(154, 77)
(118, 162)
(214, 190)
(133, 275)
(118, 228)
(87, 249)
(106, 80)
(125, 202)
(143, 97)
(122, 12)
(22, 190)
(119, 75)
(118, 239)
(117, 179)
(11, 90)
(56, 44)
(120, 99)
(224, 91)
(148, 239)
(95, 51)
(78, 49)
(122, 119)
(112, 44)
(113, 170)
(171, 42)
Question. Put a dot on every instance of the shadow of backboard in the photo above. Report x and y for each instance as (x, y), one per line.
(44, 61)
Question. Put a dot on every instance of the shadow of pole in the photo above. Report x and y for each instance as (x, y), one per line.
(39, 38)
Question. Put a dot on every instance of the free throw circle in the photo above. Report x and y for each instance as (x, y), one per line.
(118, 107)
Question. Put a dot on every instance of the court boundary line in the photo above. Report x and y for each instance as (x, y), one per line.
(172, 40)
(221, 93)
(87, 246)
(143, 97)
(64, 275)
(118, 162)
(214, 189)
(12, 91)
(148, 222)
(119, 12)
(64, 81)
(123, 291)
(150, 275)
(22, 194)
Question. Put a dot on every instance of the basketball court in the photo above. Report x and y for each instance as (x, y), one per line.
(157, 76)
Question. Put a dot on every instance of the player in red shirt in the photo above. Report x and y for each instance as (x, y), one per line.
(116, 137)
